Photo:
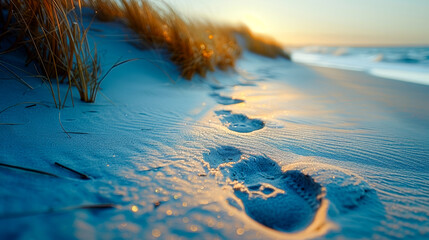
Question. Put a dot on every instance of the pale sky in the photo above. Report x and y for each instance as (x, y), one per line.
(322, 22)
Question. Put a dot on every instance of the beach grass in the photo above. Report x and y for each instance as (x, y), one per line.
(53, 35)
(260, 44)
(197, 47)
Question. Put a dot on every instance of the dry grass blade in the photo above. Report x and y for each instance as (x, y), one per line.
(97, 206)
(16, 76)
(81, 175)
(30, 106)
(17, 104)
(61, 124)
(96, 88)
(78, 133)
(28, 170)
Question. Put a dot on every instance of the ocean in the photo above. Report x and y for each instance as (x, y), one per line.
(409, 64)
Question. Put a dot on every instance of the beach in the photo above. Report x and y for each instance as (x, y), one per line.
(271, 150)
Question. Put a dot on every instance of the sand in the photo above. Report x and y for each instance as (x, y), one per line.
(273, 150)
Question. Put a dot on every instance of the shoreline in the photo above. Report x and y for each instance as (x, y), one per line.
(372, 64)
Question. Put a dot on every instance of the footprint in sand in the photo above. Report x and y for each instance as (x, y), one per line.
(225, 100)
(239, 122)
(288, 198)
(284, 201)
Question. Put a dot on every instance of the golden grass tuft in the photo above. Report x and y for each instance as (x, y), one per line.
(261, 45)
(53, 36)
(196, 47)
(201, 47)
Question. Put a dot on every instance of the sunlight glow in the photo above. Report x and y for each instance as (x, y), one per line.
(322, 22)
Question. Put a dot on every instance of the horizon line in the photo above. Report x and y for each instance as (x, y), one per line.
(354, 45)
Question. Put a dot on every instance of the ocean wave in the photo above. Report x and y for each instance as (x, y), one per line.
(405, 64)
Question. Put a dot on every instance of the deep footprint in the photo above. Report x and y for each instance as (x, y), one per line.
(284, 201)
(225, 100)
(239, 122)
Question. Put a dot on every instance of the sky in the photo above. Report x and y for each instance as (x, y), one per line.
(322, 22)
